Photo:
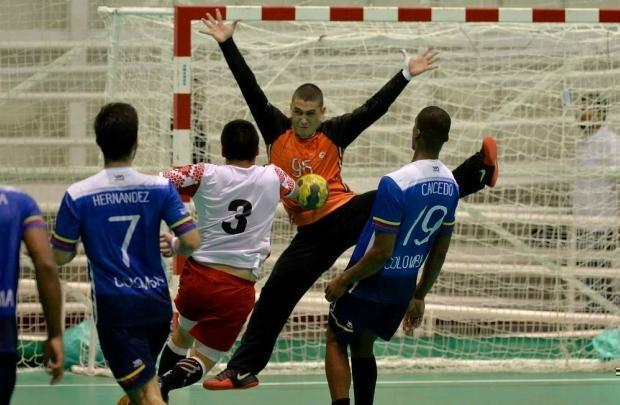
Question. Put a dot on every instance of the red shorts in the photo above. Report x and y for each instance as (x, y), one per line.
(218, 302)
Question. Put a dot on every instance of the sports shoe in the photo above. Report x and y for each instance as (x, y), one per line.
(126, 401)
(489, 161)
(165, 392)
(231, 379)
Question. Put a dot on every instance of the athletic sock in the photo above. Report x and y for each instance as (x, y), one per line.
(186, 372)
(170, 356)
(341, 401)
(364, 372)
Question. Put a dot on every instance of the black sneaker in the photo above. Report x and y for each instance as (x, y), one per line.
(165, 392)
(231, 379)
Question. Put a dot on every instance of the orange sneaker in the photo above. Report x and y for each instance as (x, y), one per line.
(489, 160)
(231, 379)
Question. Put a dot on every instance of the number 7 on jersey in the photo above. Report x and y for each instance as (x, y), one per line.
(133, 221)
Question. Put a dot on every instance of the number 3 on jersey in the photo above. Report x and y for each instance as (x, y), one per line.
(133, 221)
(243, 209)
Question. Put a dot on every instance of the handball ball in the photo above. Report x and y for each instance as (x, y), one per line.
(313, 191)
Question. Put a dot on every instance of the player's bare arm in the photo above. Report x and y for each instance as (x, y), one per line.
(373, 260)
(48, 285)
(217, 28)
(432, 268)
(61, 257)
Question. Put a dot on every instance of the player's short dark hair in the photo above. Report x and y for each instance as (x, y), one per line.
(434, 125)
(239, 140)
(116, 130)
(309, 92)
(597, 100)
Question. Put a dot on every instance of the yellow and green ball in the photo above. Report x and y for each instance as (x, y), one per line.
(313, 191)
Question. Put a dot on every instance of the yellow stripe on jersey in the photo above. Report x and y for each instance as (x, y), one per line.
(67, 240)
(33, 218)
(448, 223)
(383, 221)
(180, 222)
(132, 374)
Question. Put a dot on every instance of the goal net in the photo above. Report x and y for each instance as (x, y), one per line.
(530, 280)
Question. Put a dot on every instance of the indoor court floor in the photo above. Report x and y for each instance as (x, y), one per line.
(435, 389)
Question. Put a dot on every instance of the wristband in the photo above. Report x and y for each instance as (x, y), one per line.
(406, 65)
(407, 74)
(173, 245)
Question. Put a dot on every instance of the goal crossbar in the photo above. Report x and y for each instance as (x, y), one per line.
(185, 14)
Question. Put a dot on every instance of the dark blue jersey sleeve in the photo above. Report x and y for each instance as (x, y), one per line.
(175, 214)
(66, 234)
(31, 214)
(387, 210)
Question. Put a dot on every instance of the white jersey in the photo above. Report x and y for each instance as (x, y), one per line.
(235, 209)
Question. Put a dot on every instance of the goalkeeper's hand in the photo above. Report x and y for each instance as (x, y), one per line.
(217, 28)
(415, 65)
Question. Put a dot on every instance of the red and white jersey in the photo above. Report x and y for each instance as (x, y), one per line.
(235, 207)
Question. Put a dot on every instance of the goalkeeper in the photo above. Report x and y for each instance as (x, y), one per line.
(303, 143)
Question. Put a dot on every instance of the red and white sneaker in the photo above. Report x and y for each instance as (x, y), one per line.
(231, 379)
(489, 161)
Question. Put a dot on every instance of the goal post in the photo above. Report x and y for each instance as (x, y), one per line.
(514, 292)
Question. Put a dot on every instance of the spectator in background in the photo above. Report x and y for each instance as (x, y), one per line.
(596, 194)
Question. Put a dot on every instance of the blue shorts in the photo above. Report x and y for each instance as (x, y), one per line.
(131, 352)
(350, 316)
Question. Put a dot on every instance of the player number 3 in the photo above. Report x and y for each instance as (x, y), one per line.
(243, 209)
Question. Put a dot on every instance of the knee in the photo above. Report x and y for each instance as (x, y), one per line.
(182, 338)
(362, 350)
(332, 342)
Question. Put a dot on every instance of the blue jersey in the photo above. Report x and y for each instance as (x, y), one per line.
(18, 213)
(416, 202)
(117, 215)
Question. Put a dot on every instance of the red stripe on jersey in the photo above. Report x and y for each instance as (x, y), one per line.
(35, 221)
(60, 245)
(382, 225)
(184, 228)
